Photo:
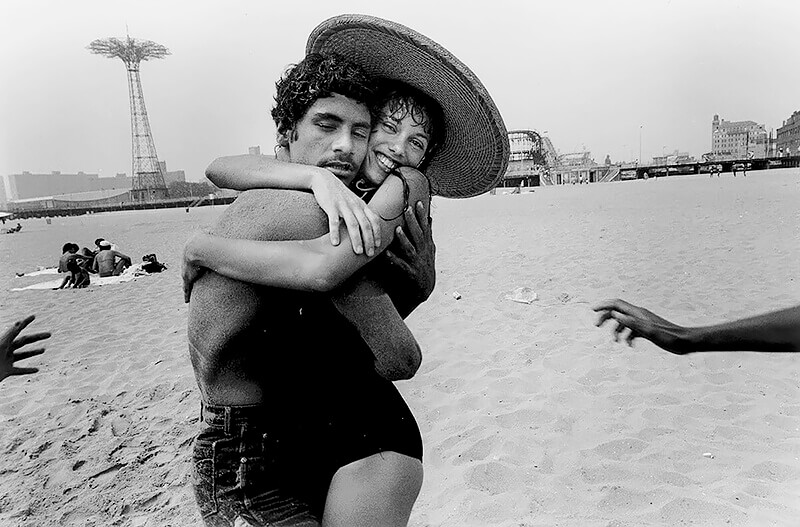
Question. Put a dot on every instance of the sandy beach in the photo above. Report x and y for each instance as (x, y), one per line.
(530, 415)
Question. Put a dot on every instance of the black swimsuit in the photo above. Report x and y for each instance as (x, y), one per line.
(343, 410)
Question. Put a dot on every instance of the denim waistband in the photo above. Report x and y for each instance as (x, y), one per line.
(231, 417)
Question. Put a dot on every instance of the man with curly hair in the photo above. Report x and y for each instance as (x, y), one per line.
(256, 351)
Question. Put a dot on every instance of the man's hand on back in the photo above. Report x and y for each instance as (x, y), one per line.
(413, 261)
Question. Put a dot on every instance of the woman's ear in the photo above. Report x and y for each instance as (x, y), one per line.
(283, 139)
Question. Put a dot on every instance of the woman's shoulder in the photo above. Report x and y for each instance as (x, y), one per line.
(408, 181)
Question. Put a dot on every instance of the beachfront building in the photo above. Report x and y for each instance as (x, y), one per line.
(737, 140)
(788, 138)
(574, 167)
(175, 176)
(675, 158)
(78, 201)
(27, 185)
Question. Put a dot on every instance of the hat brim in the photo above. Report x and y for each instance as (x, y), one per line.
(474, 155)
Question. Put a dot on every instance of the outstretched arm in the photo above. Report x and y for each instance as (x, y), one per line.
(308, 265)
(777, 331)
(246, 172)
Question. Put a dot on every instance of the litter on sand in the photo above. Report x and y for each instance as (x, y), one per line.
(523, 295)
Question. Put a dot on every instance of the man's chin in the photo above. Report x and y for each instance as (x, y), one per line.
(345, 174)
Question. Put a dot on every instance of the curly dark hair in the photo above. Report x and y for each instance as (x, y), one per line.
(316, 77)
(399, 100)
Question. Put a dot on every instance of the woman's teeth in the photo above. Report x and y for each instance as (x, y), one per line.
(385, 162)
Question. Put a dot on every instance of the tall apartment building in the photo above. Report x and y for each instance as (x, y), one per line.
(788, 140)
(735, 139)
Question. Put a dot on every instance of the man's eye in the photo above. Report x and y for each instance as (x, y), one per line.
(326, 126)
(361, 134)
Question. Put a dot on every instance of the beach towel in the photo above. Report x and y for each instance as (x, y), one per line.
(131, 273)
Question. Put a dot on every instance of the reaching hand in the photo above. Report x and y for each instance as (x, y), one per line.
(9, 343)
(190, 272)
(338, 201)
(417, 258)
(643, 323)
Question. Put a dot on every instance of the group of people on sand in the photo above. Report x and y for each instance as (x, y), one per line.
(80, 263)
(295, 338)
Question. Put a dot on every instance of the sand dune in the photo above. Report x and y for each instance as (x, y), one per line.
(530, 415)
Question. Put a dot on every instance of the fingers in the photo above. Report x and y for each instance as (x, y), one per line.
(11, 333)
(363, 226)
(22, 355)
(333, 228)
(409, 250)
(353, 230)
(366, 232)
(399, 262)
(413, 221)
(375, 224)
(190, 275)
(23, 371)
(618, 331)
(30, 339)
(604, 317)
(615, 304)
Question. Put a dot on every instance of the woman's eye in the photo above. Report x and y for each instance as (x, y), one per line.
(418, 144)
(389, 127)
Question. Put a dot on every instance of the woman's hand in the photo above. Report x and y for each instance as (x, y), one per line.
(338, 201)
(190, 271)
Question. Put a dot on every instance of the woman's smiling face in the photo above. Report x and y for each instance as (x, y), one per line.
(400, 138)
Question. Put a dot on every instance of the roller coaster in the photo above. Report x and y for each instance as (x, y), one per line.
(532, 157)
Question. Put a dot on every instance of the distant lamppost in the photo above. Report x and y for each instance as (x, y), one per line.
(640, 143)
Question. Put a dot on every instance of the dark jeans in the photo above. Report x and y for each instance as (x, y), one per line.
(240, 472)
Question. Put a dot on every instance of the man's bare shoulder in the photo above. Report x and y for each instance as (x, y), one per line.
(271, 214)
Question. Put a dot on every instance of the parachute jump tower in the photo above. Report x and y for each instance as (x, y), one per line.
(148, 176)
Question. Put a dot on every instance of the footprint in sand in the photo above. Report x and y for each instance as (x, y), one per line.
(493, 478)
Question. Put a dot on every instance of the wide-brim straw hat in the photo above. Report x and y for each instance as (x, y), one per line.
(474, 155)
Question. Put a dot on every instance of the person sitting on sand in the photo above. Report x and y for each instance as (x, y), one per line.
(10, 342)
(776, 331)
(108, 262)
(66, 252)
(73, 264)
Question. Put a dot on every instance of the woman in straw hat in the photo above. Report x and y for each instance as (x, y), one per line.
(436, 117)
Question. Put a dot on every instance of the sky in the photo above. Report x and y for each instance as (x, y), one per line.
(603, 76)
